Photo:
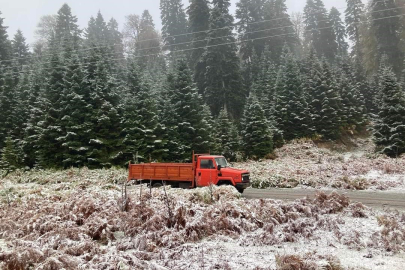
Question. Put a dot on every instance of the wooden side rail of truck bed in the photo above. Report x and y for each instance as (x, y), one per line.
(182, 172)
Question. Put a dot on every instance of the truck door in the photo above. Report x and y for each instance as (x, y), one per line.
(206, 172)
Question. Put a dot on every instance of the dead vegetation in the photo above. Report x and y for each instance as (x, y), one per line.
(76, 225)
(304, 163)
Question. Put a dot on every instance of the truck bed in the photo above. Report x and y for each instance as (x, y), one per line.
(161, 171)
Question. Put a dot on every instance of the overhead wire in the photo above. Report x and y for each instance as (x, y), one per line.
(206, 46)
(171, 36)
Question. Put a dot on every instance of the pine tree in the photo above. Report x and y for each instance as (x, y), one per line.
(319, 33)
(20, 49)
(198, 17)
(389, 127)
(256, 135)
(223, 82)
(5, 45)
(339, 31)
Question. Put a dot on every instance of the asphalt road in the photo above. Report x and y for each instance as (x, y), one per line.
(373, 199)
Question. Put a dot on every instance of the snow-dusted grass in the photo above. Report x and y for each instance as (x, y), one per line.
(306, 165)
(73, 220)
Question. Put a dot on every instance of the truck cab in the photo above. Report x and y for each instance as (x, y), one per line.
(214, 170)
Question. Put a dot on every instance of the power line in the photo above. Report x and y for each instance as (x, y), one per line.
(184, 43)
(207, 46)
(171, 36)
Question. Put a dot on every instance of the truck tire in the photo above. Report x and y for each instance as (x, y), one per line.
(157, 185)
(240, 190)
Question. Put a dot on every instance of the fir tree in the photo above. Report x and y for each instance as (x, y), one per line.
(389, 127)
(21, 110)
(353, 109)
(114, 40)
(198, 17)
(319, 32)
(174, 148)
(76, 113)
(49, 145)
(353, 17)
(10, 157)
(8, 102)
(222, 77)
(5, 45)
(228, 137)
(174, 25)
(292, 113)
(250, 14)
(140, 119)
(339, 31)
(387, 32)
(105, 145)
(353, 102)
(189, 112)
(20, 49)
(96, 33)
(330, 111)
(256, 135)
(32, 129)
(147, 46)
(67, 32)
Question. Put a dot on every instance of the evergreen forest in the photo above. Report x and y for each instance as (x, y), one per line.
(239, 85)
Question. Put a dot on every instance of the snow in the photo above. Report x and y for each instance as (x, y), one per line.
(72, 219)
(303, 164)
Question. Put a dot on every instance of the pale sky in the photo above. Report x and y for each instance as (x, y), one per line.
(25, 14)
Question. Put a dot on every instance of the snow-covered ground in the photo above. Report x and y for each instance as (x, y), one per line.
(75, 220)
(303, 164)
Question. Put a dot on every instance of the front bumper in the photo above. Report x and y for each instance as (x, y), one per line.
(242, 185)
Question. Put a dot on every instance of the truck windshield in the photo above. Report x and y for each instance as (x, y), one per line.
(221, 161)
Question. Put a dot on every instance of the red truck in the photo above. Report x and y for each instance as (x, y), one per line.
(204, 170)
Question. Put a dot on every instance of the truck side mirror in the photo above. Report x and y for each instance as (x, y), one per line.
(219, 167)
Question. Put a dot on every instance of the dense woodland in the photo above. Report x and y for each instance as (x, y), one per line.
(210, 81)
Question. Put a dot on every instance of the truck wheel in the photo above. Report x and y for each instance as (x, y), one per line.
(240, 190)
(157, 185)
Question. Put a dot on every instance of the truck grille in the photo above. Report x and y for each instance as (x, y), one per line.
(245, 178)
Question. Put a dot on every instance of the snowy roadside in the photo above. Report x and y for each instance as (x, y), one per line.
(304, 165)
(73, 220)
